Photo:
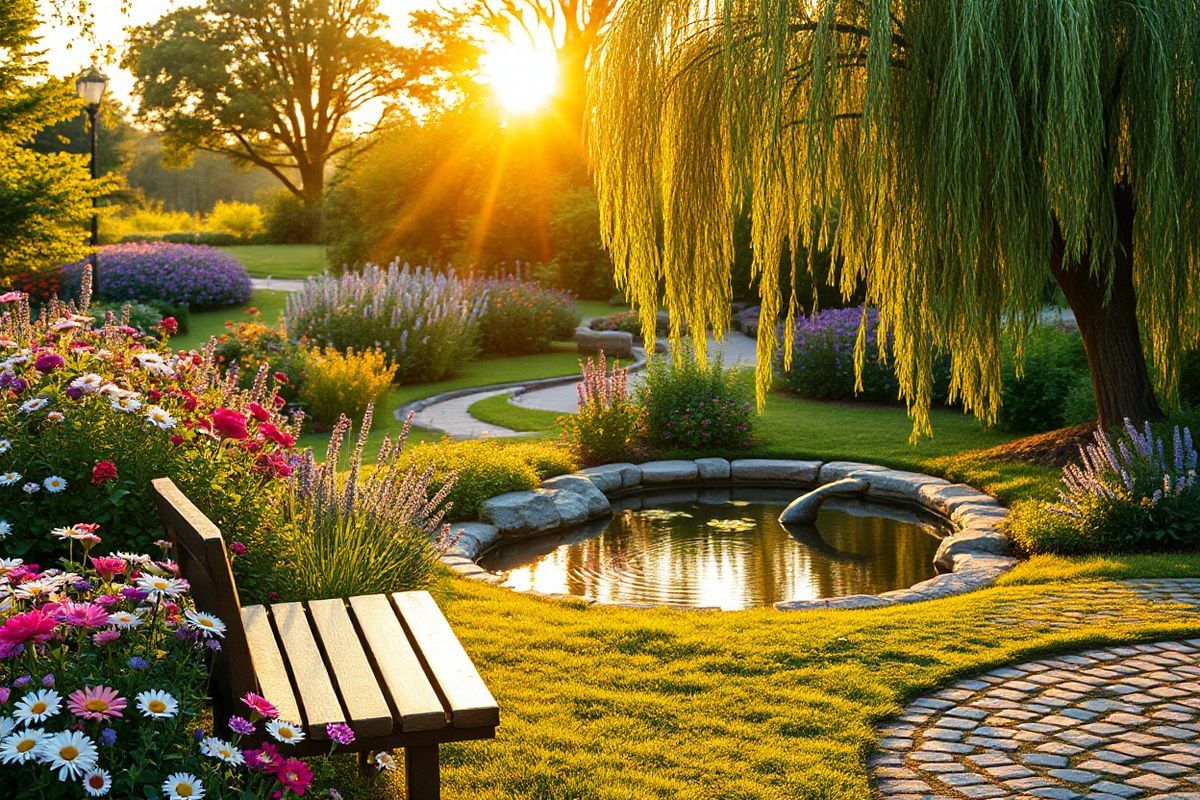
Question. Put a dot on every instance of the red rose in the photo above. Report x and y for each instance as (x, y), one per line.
(275, 435)
(103, 472)
(229, 423)
(260, 413)
(170, 325)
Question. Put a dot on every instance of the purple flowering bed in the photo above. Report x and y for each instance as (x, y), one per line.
(183, 274)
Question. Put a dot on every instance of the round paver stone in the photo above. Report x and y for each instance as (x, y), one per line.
(1118, 722)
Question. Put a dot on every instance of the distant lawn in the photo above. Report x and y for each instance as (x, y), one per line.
(280, 260)
(498, 411)
(203, 325)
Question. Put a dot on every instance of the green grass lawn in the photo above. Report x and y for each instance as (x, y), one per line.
(203, 325)
(280, 260)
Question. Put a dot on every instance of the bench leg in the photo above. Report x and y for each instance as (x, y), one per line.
(421, 773)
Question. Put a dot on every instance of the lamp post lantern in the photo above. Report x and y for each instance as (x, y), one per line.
(90, 87)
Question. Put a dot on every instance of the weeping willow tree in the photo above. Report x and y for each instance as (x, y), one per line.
(954, 155)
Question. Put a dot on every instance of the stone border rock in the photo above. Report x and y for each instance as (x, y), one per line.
(975, 554)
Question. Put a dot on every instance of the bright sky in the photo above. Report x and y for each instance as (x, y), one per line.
(69, 53)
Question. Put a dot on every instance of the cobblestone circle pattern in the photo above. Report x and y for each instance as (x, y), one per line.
(1115, 723)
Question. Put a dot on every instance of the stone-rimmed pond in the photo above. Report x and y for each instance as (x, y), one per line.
(724, 548)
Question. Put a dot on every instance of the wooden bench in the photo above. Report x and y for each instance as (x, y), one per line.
(389, 666)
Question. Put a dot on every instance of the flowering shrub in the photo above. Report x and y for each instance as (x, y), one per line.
(1137, 492)
(90, 415)
(427, 323)
(625, 321)
(39, 286)
(822, 366)
(606, 427)
(102, 680)
(185, 274)
(693, 407)
(337, 383)
(369, 531)
(521, 317)
(252, 346)
(483, 468)
(243, 220)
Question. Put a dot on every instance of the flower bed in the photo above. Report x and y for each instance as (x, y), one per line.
(196, 276)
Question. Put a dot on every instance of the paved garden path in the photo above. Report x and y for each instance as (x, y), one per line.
(278, 284)
(1113, 723)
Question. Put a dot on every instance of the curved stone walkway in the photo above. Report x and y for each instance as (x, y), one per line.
(1114, 723)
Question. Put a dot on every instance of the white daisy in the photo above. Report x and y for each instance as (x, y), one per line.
(5, 446)
(136, 558)
(70, 752)
(89, 383)
(69, 532)
(37, 706)
(221, 749)
(64, 325)
(183, 786)
(154, 363)
(7, 726)
(285, 732)
(55, 484)
(7, 565)
(5, 529)
(157, 704)
(157, 415)
(159, 586)
(126, 404)
(55, 417)
(207, 624)
(22, 746)
(385, 762)
(36, 404)
(9, 478)
(97, 782)
(37, 588)
(125, 619)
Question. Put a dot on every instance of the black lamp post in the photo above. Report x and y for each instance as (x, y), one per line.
(90, 87)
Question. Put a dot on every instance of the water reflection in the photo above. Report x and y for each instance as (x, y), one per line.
(724, 548)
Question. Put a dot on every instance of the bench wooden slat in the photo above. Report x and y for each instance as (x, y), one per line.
(356, 682)
(313, 684)
(471, 704)
(273, 680)
(418, 707)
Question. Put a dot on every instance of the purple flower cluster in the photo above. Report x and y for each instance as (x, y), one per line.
(181, 274)
(823, 358)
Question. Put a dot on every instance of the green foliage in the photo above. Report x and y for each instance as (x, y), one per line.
(208, 78)
(337, 383)
(686, 405)
(484, 468)
(242, 220)
(145, 316)
(580, 264)
(520, 317)
(290, 221)
(607, 426)
(44, 197)
(252, 345)
(1053, 388)
(941, 151)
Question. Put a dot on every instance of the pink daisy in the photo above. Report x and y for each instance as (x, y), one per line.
(96, 702)
(260, 705)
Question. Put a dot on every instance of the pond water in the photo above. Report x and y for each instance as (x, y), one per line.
(724, 548)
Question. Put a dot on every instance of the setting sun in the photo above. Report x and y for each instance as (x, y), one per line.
(523, 75)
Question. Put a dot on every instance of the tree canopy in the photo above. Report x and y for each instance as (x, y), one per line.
(44, 198)
(953, 154)
(273, 84)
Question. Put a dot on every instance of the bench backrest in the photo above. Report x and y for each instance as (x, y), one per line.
(204, 562)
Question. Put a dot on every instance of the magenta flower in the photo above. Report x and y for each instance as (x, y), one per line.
(340, 733)
(265, 758)
(33, 625)
(260, 705)
(96, 702)
(48, 362)
(106, 637)
(82, 615)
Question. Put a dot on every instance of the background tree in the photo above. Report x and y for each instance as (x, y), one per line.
(953, 153)
(273, 83)
(44, 198)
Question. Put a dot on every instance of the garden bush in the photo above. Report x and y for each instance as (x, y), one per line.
(242, 220)
(520, 317)
(337, 383)
(370, 531)
(427, 323)
(689, 406)
(484, 468)
(195, 276)
(253, 346)
(1137, 492)
(104, 676)
(606, 428)
(1055, 387)
(145, 317)
(81, 437)
(290, 221)
(625, 321)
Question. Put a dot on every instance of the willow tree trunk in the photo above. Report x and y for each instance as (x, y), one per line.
(1107, 319)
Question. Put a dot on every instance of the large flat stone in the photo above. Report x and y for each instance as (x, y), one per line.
(713, 469)
(472, 538)
(896, 484)
(978, 544)
(593, 499)
(612, 477)
(770, 469)
(836, 470)
(947, 499)
(572, 508)
(657, 472)
(522, 512)
(805, 508)
(611, 343)
(850, 601)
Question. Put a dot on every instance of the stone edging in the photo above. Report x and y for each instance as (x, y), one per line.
(974, 555)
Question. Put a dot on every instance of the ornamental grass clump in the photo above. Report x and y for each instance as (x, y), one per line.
(91, 411)
(607, 425)
(370, 530)
(104, 664)
(183, 274)
(426, 322)
(1134, 492)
